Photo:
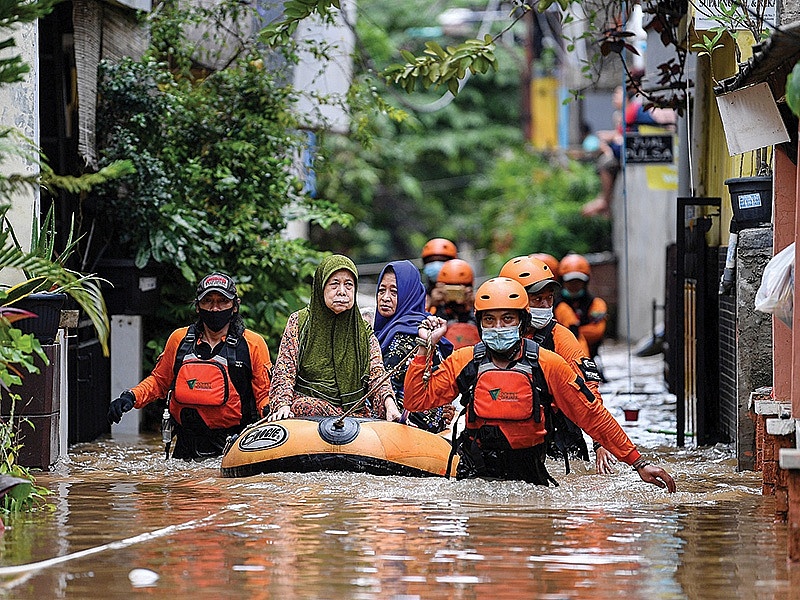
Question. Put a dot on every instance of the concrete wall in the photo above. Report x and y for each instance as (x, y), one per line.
(650, 229)
(19, 108)
(753, 333)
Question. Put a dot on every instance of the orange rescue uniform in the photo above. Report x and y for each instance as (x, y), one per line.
(158, 383)
(563, 384)
(571, 350)
(591, 321)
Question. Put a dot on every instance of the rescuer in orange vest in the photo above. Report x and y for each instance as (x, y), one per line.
(454, 287)
(510, 386)
(539, 281)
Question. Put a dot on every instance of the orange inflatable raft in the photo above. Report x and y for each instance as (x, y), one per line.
(337, 444)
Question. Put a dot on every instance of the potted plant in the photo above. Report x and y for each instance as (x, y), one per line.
(48, 281)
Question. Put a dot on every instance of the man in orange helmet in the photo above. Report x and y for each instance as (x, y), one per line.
(510, 388)
(540, 283)
(435, 253)
(456, 302)
(548, 259)
(582, 312)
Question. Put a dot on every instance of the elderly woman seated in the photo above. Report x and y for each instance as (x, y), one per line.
(400, 303)
(329, 361)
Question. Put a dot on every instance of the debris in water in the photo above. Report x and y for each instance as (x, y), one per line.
(143, 577)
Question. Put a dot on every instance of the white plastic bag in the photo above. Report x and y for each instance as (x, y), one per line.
(776, 293)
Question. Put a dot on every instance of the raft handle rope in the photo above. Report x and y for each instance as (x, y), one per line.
(381, 380)
(427, 343)
(377, 384)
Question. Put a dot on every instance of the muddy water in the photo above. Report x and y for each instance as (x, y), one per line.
(117, 506)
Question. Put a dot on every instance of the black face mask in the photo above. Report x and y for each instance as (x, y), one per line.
(215, 320)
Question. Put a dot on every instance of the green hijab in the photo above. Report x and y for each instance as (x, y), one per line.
(334, 349)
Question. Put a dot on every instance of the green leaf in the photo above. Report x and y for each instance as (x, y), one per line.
(793, 90)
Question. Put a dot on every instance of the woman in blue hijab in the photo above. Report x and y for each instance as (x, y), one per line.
(399, 311)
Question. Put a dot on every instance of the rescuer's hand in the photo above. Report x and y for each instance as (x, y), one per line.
(657, 476)
(120, 406)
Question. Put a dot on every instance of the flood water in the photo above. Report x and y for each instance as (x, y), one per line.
(118, 508)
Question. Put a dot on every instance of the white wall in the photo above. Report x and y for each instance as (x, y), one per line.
(19, 108)
(650, 228)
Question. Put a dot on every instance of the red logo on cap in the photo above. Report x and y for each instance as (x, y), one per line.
(215, 281)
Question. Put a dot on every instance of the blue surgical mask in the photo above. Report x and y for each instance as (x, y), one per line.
(540, 317)
(570, 296)
(500, 339)
(431, 270)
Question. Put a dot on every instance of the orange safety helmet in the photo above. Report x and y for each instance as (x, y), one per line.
(456, 271)
(439, 247)
(548, 259)
(501, 292)
(532, 273)
(574, 266)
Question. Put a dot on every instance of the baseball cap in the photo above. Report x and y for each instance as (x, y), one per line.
(575, 275)
(539, 286)
(216, 282)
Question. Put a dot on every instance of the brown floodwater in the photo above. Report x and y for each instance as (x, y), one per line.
(117, 508)
(123, 522)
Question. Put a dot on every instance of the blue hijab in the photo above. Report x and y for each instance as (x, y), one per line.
(410, 307)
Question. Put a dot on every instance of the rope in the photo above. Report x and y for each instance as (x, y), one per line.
(376, 384)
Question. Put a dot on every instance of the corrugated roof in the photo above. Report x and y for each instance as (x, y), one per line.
(772, 60)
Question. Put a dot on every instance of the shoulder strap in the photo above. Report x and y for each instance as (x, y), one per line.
(531, 351)
(186, 346)
(479, 352)
(545, 335)
(240, 367)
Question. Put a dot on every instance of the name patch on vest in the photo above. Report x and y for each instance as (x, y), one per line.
(263, 438)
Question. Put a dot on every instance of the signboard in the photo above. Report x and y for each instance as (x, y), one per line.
(705, 10)
(649, 149)
(751, 119)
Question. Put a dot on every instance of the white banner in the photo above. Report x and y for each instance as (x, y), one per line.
(705, 10)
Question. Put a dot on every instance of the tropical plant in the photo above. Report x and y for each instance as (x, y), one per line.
(530, 203)
(404, 170)
(42, 266)
(216, 181)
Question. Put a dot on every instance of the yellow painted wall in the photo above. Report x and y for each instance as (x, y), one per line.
(544, 113)
(715, 164)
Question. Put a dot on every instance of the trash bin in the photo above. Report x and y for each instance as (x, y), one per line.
(751, 200)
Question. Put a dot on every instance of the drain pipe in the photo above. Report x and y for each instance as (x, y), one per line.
(729, 273)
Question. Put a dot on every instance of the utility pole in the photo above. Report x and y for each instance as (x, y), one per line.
(527, 76)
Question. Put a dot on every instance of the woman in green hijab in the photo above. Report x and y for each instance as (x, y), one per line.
(329, 359)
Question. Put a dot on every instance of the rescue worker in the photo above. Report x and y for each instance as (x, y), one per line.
(435, 253)
(540, 283)
(195, 367)
(454, 287)
(509, 386)
(578, 309)
(548, 259)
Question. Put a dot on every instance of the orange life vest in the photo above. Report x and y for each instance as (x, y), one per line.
(207, 386)
(507, 399)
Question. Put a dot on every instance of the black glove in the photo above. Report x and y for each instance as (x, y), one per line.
(121, 405)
